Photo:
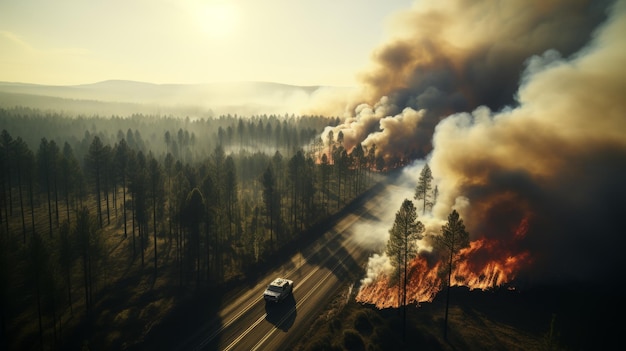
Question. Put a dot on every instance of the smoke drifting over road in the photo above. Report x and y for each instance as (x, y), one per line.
(519, 107)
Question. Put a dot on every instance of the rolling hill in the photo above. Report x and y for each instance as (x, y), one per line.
(122, 97)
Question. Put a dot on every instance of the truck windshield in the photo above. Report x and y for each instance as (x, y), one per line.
(275, 288)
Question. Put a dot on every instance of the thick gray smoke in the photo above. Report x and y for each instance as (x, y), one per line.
(519, 107)
(447, 56)
(558, 159)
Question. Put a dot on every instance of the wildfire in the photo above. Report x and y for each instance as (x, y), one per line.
(487, 265)
(423, 284)
(484, 264)
(522, 229)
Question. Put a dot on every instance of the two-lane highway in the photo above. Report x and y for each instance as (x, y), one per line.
(246, 322)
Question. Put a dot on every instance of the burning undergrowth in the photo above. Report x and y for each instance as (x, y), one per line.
(483, 265)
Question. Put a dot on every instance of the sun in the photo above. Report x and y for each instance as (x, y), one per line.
(216, 18)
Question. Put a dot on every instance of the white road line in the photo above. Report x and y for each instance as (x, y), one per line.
(300, 302)
(215, 333)
(232, 344)
(225, 325)
(258, 321)
(242, 335)
(212, 336)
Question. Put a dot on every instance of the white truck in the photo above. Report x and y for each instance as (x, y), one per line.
(278, 290)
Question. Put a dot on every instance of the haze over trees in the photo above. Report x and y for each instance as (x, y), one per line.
(111, 208)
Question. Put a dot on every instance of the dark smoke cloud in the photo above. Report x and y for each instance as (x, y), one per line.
(523, 104)
(472, 52)
(447, 56)
(558, 158)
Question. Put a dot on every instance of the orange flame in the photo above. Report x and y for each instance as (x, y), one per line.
(423, 284)
(522, 229)
(500, 268)
(484, 264)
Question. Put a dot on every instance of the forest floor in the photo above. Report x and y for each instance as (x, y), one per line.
(542, 318)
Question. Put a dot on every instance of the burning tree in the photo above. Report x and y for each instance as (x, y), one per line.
(453, 238)
(402, 245)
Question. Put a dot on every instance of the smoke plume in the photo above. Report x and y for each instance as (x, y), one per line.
(453, 56)
(557, 159)
(519, 109)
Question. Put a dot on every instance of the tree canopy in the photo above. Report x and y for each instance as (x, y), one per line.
(423, 188)
(217, 197)
(406, 230)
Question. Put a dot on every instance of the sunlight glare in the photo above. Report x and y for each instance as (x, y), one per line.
(216, 18)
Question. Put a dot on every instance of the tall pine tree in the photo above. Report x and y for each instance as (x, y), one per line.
(424, 185)
(453, 238)
(402, 246)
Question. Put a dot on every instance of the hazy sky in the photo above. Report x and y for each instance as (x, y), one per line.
(314, 42)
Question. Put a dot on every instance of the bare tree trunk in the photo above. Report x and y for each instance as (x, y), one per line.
(133, 226)
(32, 204)
(19, 187)
(141, 243)
(67, 204)
(154, 224)
(106, 198)
(56, 201)
(86, 281)
(445, 327)
(49, 208)
(406, 248)
(124, 203)
(99, 207)
(39, 312)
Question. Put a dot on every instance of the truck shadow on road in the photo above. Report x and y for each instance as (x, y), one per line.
(282, 314)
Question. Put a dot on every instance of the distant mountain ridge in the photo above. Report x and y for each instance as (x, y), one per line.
(216, 98)
(118, 90)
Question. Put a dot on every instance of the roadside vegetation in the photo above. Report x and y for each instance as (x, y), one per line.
(535, 317)
(542, 318)
(109, 224)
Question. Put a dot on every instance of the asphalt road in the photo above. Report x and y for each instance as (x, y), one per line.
(246, 322)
